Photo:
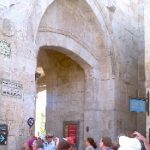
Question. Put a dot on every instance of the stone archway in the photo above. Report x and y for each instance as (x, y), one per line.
(22, 27)
(71, 93)
(88, 50)
(101, 14)
(65, 83)
(28, 36)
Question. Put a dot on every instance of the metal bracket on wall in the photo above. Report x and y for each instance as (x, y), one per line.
(149, 135)
(148, 103)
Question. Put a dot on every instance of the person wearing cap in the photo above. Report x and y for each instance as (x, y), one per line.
(50, 143)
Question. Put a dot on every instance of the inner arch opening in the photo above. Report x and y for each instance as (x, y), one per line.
(63, 79)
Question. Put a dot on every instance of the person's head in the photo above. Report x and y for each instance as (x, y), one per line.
(126, 143)
(115, 145)
(49, 137)
(90, 141)
(131, 133)
(105, 142)
(30, 141)
(40, 139)
(63, 145)
(71, 141)
(37, 144)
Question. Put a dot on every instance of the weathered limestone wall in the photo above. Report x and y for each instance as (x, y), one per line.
(147, 54)
(128, 30)
(70, 18)
(85, 31)
(105, 36)
(17, 69)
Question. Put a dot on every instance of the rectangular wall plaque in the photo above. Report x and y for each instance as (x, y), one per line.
(71, 129)
(137, 105)
(11, 88)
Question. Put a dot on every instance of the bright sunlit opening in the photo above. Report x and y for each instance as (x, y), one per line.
(40, 113)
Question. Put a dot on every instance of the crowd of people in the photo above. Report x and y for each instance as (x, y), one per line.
(134, 142)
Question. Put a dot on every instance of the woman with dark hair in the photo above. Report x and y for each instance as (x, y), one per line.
(106, 143)
(90, 144)
(37, 145)
(63, 145)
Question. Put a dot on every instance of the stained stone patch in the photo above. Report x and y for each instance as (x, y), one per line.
(8, 27)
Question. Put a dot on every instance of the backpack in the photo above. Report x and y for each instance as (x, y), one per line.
(143, 146)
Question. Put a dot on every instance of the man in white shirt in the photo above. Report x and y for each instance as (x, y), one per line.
(50, 143)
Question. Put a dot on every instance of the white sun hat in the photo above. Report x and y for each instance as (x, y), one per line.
(127, 143)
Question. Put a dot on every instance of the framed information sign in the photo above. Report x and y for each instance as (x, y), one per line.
(3, 134)
(137, 105)
(71, 129)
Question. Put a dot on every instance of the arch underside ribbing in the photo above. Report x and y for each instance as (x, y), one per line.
(100, 14)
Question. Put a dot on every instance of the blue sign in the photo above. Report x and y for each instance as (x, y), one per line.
(137, 105)
(2, 138)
